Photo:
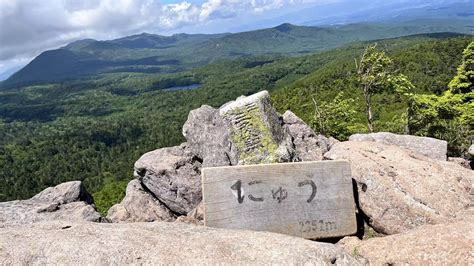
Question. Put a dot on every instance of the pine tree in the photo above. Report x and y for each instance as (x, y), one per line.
(463, 82)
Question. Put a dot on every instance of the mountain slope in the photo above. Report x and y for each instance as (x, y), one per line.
(150, 53)
(94, 130)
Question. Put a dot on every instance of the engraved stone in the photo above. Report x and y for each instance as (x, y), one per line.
(256, 130)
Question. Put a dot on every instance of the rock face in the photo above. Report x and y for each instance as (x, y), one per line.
(256, 131)
(399, 189)
(208, 137)
(430, 147)
(139, 206)
(158, 243)
(173, 175)
(67, 201)
(308, 146)
(442, 244)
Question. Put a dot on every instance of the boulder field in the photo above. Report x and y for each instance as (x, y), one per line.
(414, 206)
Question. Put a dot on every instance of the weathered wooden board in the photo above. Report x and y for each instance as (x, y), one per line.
(308, 199)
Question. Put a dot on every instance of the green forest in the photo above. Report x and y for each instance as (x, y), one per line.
(93, 129)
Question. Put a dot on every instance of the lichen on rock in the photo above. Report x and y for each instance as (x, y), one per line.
(256, 130)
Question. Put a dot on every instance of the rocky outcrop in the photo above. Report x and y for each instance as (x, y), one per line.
(139, 206)
(430, 147)
(208, 137)
(442, 244)
(244, 131)
(158, 243)
(400, 189)
(173, 175)
(67, 201)
(308, 145)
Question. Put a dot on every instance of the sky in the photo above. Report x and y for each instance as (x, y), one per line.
(29, 27)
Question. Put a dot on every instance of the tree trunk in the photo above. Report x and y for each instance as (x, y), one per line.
(368, 110)
(322, 130)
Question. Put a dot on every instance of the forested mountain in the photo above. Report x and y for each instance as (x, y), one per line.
(94, 129)
(150, 53)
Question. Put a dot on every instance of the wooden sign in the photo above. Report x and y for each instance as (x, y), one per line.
(308, 199)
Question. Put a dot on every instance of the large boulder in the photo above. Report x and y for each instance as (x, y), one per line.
(158, 243)
(139, 206)
(399, 189)
(430, 147)
(208, 137)
(256, 130)
(308, 146)
(442, 244)
(173, 175)
(67, 201)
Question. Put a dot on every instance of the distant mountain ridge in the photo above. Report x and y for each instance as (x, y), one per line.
(151, 53)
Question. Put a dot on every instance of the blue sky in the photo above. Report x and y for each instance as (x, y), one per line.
(29, 27)
(178, 1)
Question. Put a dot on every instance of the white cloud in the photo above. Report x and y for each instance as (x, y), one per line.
(28, 27)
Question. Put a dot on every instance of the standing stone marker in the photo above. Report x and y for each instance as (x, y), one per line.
(256, 131)
(308, 199)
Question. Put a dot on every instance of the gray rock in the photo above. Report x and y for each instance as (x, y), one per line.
(443, 244)
(173, 175)
(400, 189)
(196, 216)
(256, 131)
(430, 147)
(139, 206)
(15, 213)
(68, 201)
(331, 142)
(70, 243)
(65, 193)
(208, 137)
(461, 161)
(308, 145)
